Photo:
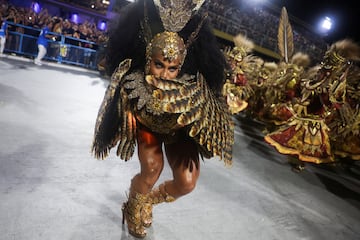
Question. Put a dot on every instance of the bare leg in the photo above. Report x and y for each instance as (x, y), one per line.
(151, 162)
(183, 158)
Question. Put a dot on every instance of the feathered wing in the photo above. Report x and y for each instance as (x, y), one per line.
(285, 36)
(205, 116)
(115, 122)
(215, 130)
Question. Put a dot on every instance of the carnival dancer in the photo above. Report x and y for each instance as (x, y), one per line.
(322, 118)
(165, 103)
(243, 69)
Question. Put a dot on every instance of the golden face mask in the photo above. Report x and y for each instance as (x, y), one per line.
(171, 46)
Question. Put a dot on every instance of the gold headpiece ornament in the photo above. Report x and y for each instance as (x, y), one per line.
(175, 14)
(171, 46)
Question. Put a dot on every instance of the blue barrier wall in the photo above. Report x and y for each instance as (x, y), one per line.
(61, 49)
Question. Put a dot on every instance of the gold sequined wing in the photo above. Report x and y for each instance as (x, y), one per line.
(214, 129)
(205, 116)
(115, 123)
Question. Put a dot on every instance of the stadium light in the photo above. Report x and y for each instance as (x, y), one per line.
(75, 18)
(325, 25)
(255, 2)
(102, 25)
(36, 7)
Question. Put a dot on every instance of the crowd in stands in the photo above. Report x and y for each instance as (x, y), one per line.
(261, 26)
(96, 5)
(26, 21)
(257, 24)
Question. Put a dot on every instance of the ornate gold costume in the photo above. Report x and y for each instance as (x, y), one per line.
(324, 112)
(324, 124)
(243, 65)
(172, 116)
(306, 138)
(164, 106)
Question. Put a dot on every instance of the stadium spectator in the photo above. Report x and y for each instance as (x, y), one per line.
(43, 43)
(3, 34)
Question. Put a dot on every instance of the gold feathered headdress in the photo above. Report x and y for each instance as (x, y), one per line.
(175, 14)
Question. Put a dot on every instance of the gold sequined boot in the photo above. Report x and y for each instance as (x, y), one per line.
(156, 196)
(132, 214)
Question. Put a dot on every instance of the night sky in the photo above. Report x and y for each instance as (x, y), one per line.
(346, 18)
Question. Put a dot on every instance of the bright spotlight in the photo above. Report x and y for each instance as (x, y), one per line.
(75, 18)
(327, 23)
(102, 25)
(255, 2)
(36, 7)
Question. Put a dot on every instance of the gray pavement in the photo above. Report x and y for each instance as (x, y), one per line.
(52, 188)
